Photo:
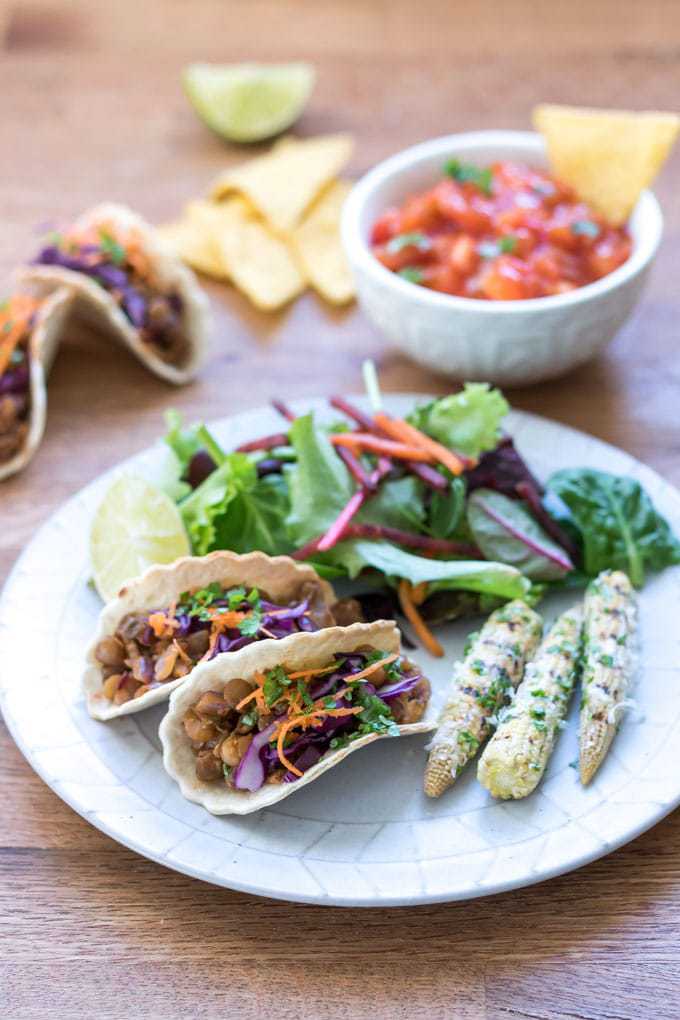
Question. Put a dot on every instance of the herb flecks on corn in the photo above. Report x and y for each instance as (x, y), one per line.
(609, 630)
(515, 758)
(492, 667)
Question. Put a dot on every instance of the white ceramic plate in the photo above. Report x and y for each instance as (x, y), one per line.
(363, 834)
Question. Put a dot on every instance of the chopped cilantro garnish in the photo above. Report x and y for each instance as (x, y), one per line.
(585, 228)
(226, 769)
(537, 713)
(304, 694)
(415, 239)
(469, 642)
(329, 703)
(411, 273)
(466, 173)
(539, 725)
(468, 739)
(235, 597)
(376, 717)
(251, 624)
(111, 247)
(477, 667)
(393, 669)
(491, 249)
(276, 680)
(249, 718)
(607, 660)
(341, 741)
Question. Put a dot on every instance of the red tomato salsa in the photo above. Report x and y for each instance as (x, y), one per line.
(502, 233)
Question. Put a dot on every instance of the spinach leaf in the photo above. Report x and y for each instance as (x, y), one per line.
(468, 421)
(256, 519)
(505, 530)
(617, 523)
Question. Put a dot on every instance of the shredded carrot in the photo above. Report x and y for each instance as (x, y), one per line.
(14, 320)
(162, 624)
(416, 620)
(226, 620)
(373, 668)
(365, 441)
(419, 593)
(302, 673)
(400, 430)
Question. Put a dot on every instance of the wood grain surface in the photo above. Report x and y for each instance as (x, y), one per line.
(92, 109)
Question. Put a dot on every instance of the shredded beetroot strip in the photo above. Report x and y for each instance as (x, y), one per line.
(407, 538)
(283, 410)
(339, 525)
(265, 443)
(356, 468)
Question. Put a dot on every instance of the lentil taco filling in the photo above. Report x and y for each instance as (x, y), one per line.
(275, 727)
(114, 257)
(152, 648)
(17, 319)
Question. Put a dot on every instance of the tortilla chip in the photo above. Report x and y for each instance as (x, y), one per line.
(319, 249)
(257, 261)
(188, 240)
(284, 183)
(607, 156)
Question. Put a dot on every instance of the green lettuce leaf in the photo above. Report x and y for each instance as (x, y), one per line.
(319, 483)
(183, 442)
(504, 530)
(617, 523)
(469, 575)
(468, 421)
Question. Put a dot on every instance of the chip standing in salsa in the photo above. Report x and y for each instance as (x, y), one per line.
(503, 233)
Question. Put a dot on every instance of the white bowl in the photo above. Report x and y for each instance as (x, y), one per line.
(505, 342)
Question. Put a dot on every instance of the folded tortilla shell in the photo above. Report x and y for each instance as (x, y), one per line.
(299, 651)
(279, 576)
(94, 305)
(42, 346)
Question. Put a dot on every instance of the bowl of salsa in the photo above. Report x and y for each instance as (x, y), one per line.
(474, 259)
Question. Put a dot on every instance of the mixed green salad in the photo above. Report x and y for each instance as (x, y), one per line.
(437, 514)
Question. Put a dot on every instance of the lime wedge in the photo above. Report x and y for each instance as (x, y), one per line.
(248, 102)
(135, 526)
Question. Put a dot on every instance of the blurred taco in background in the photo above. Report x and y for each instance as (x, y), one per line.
(127, 284)
(248, 729)
(30, 330)
(165, 622)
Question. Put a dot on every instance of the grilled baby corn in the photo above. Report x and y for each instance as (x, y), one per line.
(491, 668)
(516, 756)
(609, 630)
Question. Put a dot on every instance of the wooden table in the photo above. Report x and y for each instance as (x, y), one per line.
(93, 109)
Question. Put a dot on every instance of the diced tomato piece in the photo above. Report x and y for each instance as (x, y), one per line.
(444, 278)
(408, 255)
(386, 227)
(607, 255)
(454, 206)
(464, 255)
(420, 212)
(505, 280)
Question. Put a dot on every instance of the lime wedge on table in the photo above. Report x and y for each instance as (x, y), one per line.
(135, 526)
(248, 102)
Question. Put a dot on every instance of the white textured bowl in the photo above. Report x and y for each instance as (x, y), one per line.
(505, 342)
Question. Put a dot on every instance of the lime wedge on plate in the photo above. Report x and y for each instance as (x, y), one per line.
(248, 102)
(135, 526)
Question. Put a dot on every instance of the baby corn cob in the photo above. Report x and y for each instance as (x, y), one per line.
(491, 668)
(609, 630)
(515, 758)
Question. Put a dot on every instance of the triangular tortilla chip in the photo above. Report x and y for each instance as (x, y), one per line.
(607, 156)
(284, 183)
(257, 261)
(319, 248)
(188, 240)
